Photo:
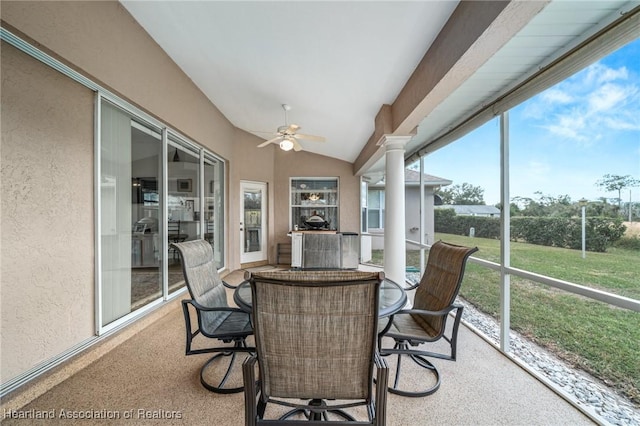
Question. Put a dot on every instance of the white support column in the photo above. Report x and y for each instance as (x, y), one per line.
(505, 246)
(394, 223)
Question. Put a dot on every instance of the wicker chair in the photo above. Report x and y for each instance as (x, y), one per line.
(216, 320)
(315, 335)
(426, 322)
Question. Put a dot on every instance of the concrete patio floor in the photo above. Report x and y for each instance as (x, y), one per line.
(149, 379)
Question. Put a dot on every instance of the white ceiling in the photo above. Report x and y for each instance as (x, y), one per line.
(336, 63)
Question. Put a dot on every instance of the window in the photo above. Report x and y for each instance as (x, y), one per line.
(364, 215)
(375, 205)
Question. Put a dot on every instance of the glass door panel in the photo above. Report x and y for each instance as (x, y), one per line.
(253, 221)
(183, 203)
(130, 164)
(213, 212)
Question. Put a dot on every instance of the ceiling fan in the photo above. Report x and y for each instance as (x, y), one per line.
(288, 135)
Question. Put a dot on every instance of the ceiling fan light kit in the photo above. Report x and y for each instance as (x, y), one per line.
(288, 137)
(286, 144)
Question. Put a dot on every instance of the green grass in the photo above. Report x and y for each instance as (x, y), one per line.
(593, 336)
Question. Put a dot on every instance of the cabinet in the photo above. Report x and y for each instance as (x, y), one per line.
(314, 197)
(324, 250)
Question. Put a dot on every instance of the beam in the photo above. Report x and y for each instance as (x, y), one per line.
(475, 31)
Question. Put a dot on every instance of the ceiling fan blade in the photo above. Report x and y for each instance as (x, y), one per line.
(296, 146)
(309, 138)
(292, 128)
(265, 143)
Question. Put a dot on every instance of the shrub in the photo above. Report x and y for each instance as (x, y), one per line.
(563, 232)
(630, 243)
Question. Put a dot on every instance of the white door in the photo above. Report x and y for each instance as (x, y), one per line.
(253, 221)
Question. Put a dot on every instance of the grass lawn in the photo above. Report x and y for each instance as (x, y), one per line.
(602, 340)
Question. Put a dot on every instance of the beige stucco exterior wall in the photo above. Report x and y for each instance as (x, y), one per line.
(102, 40)
(254, 165)
(46, 237)
(47, 165)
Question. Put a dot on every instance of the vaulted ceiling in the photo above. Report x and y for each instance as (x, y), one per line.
(354, 70)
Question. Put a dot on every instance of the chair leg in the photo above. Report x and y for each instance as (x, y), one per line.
(220, 388)
(422, 362)
(251, 411)
(318, 415)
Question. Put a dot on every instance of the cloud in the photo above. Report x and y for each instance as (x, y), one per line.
(599, 73)
(585, 107)
(607, 98)
(556, 96)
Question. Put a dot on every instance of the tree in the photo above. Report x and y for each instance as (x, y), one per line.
(617, 183)
(463, 194)
(543, 205)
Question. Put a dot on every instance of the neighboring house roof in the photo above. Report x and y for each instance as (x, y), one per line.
(412, 178)
(472, 210)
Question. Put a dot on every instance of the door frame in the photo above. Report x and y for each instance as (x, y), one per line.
(260, 256)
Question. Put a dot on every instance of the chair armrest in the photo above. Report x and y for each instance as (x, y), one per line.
(411, 286)
(426, 312)
(199, 307)
(233, 287)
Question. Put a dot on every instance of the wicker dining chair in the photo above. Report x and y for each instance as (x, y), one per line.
(315, 335)
(216, 319)
(426, 321)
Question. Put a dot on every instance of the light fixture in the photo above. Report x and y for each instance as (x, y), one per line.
(286, 144)
(176, 157)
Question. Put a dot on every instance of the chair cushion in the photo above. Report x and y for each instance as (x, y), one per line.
(407, 327)
(225, 324)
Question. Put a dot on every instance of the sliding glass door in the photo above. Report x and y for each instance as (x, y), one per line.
(183, 203)
(130, 164)
(213, 216)
(135, 233)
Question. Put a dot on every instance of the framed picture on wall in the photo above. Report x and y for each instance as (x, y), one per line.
(184, 185)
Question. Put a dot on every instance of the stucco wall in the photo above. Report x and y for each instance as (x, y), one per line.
(253, 164)
(102, 40)
(47, 244)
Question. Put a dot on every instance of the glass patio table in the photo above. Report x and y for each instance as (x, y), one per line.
(392, 297)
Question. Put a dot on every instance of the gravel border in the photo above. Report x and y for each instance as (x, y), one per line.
(604, 404)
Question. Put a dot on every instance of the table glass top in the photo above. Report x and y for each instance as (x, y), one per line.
(392, 297)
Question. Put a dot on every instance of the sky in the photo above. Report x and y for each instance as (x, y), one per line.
(563, 140)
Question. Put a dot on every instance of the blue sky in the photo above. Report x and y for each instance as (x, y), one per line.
(563, 140)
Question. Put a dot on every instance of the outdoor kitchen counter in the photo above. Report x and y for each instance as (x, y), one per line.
(318, 249)
(313, 231)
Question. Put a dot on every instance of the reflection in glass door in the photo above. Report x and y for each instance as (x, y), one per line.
(213, 212)
(133, 198)
(253, 221)
(130, 165)
(183, 203)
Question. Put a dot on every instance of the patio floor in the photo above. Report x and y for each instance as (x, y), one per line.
(148, 378)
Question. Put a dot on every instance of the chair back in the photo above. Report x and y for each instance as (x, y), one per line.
(440, 283)
(315, 332)
(173, 227)
(202, 279)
